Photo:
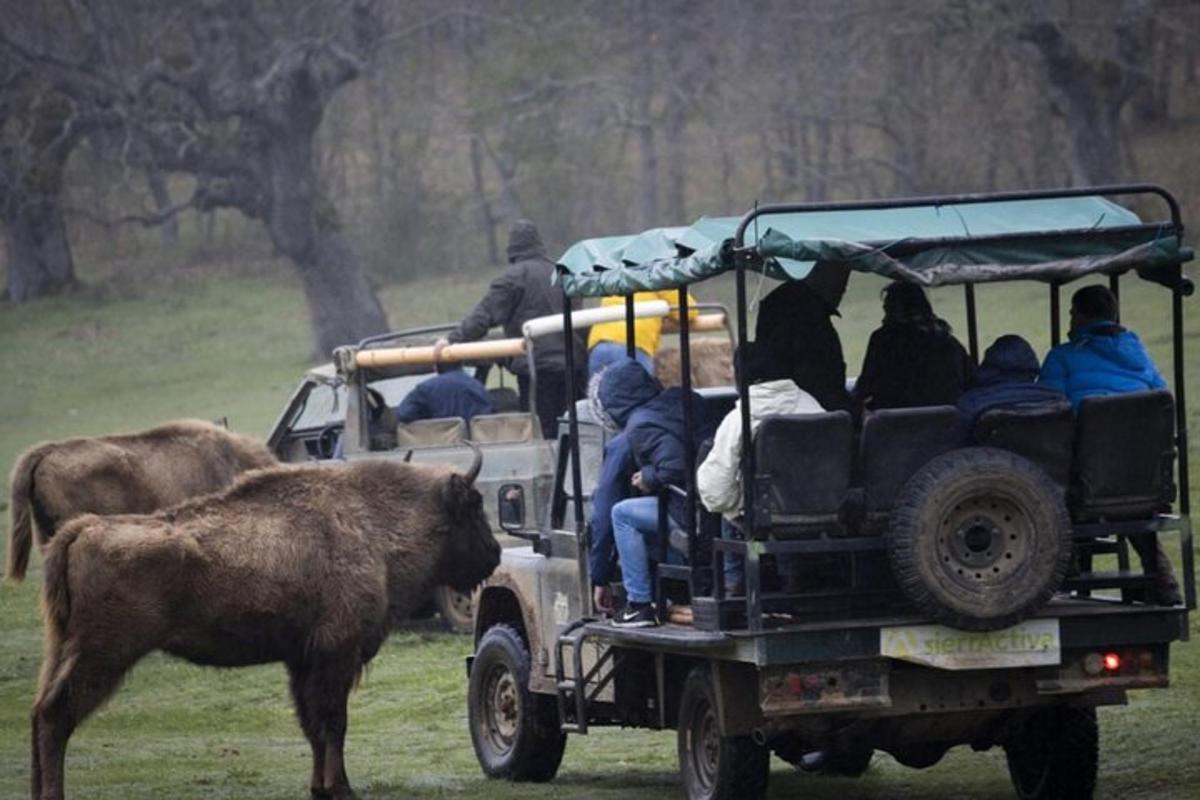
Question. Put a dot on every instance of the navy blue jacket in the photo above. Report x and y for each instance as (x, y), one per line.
(1007, 378)
(1101, 358)
(452, 393)
(652, 441)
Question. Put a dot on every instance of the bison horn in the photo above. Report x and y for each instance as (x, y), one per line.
(408, 456)
(473, 472)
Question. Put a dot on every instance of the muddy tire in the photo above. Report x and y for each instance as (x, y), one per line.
(515, 732)
(980, 539)
(848, 763)
(712, 766)
(456, 608)
(1054, 755)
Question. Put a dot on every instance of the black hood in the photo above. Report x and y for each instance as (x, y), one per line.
(524, 242)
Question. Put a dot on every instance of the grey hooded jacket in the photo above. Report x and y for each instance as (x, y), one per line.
(523, 291)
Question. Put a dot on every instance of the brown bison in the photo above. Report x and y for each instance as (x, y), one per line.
(308, 565)
(131, 474)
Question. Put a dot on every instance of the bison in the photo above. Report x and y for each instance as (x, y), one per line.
(712, 364)
(309, 565)
(134, 473)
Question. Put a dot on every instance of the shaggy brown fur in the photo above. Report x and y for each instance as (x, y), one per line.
(712, 363)
(308, 565)
(131, 474)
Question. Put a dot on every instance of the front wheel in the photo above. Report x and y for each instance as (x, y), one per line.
(1054, 755)
(515, 731)
(457, 608)
(712, 766)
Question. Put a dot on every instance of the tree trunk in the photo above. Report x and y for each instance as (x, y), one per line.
(341, 303)
(643, 88)
(487, 221)
(169, 229)
(39, 255)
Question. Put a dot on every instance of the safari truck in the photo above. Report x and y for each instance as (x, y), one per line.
(973, 589)
(344, 410)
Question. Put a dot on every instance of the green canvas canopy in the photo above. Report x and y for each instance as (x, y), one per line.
(1044, 238)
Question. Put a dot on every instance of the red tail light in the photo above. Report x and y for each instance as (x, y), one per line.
(1112, 662)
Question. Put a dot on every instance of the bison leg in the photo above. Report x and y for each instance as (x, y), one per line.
(71, 690)
(297, 680)
(326, 691)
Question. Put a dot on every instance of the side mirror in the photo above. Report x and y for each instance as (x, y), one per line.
(510, 505)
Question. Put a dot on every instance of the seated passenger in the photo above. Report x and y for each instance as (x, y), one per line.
(650, 450)
(1101, 357)
(913, 359)
(718, 479)
(450, 393)
(1007, 378)
(795, 324)
(606, 341)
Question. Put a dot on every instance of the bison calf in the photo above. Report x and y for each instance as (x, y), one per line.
(133, 473)
(306, 565)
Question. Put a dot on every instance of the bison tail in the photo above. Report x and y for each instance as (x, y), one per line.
(56, 592)
(21, 528)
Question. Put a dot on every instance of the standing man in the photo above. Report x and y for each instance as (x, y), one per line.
(522, 292)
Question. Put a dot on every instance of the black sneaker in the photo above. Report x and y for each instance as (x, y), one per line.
(636, 615)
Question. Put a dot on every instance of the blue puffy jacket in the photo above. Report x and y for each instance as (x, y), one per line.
(1006, 379)
(1101, 358)
(652, 442)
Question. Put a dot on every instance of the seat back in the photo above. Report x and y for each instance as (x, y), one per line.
(802, 465)
(1041, 434)
(1124, 455)
(439, 432)
(503, 428)
(896, 442)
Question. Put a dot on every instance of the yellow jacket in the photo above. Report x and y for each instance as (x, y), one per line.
(647, 331)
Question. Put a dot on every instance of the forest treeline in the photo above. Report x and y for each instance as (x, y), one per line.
(372, 142)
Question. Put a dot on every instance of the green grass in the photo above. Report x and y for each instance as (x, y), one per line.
(98, 362)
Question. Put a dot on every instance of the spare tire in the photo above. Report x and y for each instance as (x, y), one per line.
(980, 538)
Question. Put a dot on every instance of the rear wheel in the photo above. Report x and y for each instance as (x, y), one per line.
(712, 766)
(457, 608)
(980, 538)
(1054, 755)
(515, 731)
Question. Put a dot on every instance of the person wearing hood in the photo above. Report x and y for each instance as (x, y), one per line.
(646, 456)
(795, 323)
(522, 292)
(1101, 357)
(913, 359)
(1007, 378)
(718, 479)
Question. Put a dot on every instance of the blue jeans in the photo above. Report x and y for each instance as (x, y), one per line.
(734, 568)
(607, 353)
(635, 529)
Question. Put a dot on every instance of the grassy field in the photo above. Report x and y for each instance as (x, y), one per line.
(155, 349)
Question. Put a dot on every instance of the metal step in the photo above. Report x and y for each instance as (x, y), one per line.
(571, 695)
(1109, 580)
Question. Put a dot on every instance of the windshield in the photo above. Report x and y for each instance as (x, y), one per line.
(326, 405)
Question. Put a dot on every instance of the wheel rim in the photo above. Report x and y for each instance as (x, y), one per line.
(500, 721)
(705, 745)
(983, 539)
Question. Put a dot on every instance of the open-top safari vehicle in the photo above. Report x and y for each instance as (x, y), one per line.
(344, 410)
(961, 599)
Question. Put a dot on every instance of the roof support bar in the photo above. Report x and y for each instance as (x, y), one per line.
(1055, 316)
(972, 326)
(630, 329)
(1181, 442)
(581, 537)
(689, 448)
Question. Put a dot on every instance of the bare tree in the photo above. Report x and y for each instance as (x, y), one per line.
(233, 94)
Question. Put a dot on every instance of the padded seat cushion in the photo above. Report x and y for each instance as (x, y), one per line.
(896, 442)
(803, 468)
(1124, 455)
(1042, 434)
(498, 428)
(439, 432)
